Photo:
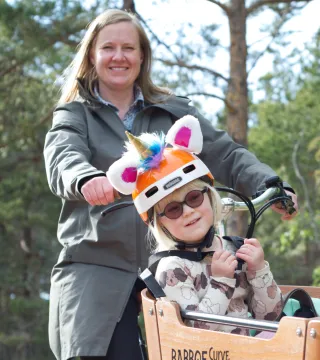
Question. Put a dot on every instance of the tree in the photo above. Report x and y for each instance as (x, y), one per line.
(29, 67)
(188, 55)
(285, 135)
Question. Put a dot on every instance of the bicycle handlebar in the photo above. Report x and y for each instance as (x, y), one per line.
(240, 205)
(274, 193)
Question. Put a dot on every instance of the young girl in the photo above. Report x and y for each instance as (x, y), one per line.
(173, 192)
(212, 285)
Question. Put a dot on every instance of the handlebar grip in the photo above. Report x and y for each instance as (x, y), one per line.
(273, 181)
(257, 194)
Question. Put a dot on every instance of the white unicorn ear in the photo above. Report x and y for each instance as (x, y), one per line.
(122, 174)
(186, 134)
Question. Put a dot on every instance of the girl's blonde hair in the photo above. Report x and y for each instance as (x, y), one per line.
(82, 69)
(158, 239)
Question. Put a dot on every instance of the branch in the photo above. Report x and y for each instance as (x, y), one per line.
(160, 42)
(260, 55)
(304, 187)
(258, 41)
(45, 118)
(3, 229)
(182, 64)
(261, 3)
(179, 62)
(52, 38)
(274, 34)
(129, 5)
(228, 104)
(10, 69)
(41, 122)
(225, 8)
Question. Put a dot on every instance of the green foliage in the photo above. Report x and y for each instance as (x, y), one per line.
(28, 318)
(285, 136)
(37, 41)
(316, 276)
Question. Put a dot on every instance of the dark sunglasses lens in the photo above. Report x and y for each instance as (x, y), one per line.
(173, 210)
(194, 198)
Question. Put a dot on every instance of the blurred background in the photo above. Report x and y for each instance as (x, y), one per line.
(253, 71)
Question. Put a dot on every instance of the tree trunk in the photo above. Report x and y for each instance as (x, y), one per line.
(129, 6)
(237, 94)
(27, 238)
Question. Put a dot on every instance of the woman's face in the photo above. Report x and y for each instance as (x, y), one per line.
(193, 224)
(117, 57)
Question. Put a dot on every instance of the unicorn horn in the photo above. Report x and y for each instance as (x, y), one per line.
(140, 146)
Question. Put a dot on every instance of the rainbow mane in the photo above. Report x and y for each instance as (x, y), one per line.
(156, 147)
(152, 155)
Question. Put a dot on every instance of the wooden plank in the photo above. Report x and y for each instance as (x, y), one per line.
(313, 291)
(178, 341)
(151, 325)
(313, 340)
(169, 338)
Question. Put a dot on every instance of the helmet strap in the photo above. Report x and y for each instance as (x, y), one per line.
(181, 245)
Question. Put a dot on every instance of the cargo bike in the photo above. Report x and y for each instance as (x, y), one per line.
(295, 338)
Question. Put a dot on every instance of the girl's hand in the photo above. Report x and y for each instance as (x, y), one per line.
(223, 264)
(98, 191)
(252, 253)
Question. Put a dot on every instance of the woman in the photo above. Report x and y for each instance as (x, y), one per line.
(107, 90)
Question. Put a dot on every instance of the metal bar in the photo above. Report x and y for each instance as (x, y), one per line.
(259, 200)
(229, 203)
(227, 320)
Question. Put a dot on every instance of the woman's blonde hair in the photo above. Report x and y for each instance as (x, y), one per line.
(158, 240)
(82, 69)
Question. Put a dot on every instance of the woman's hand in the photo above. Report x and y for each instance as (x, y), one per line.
(99, 191)
(252, 253)
(223, 264)
(278, 207)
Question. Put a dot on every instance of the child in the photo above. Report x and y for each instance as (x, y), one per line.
(212, 285)
(174, 194)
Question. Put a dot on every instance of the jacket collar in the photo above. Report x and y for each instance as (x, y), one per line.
(176, 105)
(138, 99)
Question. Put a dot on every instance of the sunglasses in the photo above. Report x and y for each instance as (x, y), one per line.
(193, 199)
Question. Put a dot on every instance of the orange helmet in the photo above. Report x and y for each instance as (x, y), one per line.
(150, 171)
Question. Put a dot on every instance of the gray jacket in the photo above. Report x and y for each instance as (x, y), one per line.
(86, 139)
(87, 301)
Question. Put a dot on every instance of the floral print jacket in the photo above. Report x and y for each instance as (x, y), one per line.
(193, 287)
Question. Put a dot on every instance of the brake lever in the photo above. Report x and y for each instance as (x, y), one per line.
(287, 203)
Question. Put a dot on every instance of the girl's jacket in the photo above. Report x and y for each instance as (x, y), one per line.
(192, 285)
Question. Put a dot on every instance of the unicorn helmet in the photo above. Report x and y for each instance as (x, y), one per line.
(150, 170)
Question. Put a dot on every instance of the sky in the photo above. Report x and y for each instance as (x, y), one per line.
(165, 17)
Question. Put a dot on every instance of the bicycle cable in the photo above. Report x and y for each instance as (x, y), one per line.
(269, 203)
(249, 204)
